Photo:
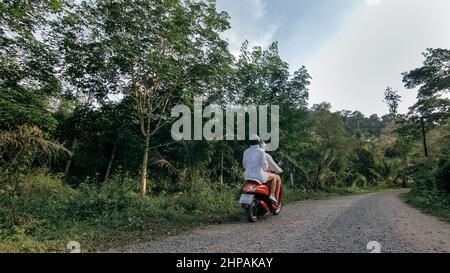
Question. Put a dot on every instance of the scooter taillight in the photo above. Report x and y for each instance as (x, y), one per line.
(249, 188)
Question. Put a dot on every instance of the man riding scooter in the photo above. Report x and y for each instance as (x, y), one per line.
(259, 166)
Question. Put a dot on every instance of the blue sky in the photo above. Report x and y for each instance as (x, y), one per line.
(353, 49)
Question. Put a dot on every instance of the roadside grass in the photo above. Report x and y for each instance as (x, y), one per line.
(432, 202)
(292, 195)
(44, 214)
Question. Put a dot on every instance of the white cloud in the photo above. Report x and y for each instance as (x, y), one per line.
(371, 50)
(373, 2)
(247, 22)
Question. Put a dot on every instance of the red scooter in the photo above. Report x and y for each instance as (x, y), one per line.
(256, 202)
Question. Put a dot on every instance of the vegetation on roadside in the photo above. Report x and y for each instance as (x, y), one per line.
(433, 202)
(431, 190)
(45, 214)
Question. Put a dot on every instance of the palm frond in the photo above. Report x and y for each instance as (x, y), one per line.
(158, 160)
(26, 144)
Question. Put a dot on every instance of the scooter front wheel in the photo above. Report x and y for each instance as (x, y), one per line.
(252, 212)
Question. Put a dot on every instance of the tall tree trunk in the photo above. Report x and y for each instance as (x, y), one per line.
(145, 157)
(69, 162)
(111, 159)
(424, 137)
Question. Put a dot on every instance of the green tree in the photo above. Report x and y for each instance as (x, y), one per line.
(262, 77)
(27, 79)
(330, 142)
(152, 50)
(433, 82)
(392, 99)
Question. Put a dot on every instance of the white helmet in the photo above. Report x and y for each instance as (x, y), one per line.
(262, 145)
(254, 139)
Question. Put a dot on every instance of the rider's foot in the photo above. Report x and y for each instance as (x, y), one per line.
(273, 199)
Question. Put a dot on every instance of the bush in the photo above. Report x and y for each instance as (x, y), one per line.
(422, 172)
(431, 201)
(431, 190)
(432, 174)
(111, 197)
(442, 174)
(42, 196)
(13, 223)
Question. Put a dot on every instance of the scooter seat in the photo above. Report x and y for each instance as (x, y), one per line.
(254, 180)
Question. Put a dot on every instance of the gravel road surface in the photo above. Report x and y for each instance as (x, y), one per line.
(342, 224)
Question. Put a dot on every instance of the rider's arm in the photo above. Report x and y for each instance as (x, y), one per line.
(264, 163)
(272, 165)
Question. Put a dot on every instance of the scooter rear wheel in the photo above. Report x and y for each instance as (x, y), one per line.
(252, 212)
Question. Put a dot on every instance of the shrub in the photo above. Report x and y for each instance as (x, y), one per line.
(432, 174)
(107, 200)
(442, 174)
(44, 197)
(431, 201)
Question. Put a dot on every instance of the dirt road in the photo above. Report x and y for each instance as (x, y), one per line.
(342, 224)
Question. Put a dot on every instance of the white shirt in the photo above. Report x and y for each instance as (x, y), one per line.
(255, 164)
